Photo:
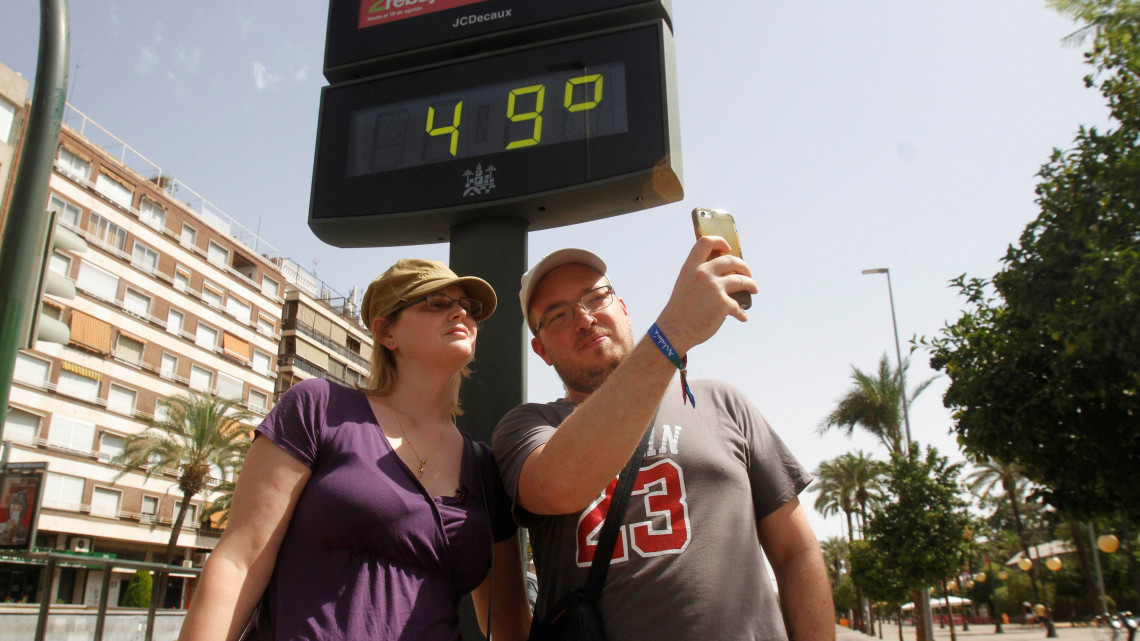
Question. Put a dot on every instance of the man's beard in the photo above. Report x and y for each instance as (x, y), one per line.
(587, 379)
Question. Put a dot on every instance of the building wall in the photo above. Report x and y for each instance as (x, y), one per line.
(150, 260)
(13, 103)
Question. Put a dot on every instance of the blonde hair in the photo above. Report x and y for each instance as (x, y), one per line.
(382, 375)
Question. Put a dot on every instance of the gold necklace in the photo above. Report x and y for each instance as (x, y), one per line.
(423, 461)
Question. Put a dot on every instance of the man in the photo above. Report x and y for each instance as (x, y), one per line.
(716, 484)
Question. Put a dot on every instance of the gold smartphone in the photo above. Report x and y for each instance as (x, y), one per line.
(716, 222)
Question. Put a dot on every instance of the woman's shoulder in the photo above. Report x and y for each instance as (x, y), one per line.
(320, 388)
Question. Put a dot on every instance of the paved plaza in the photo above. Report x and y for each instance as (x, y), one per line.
(977, 632)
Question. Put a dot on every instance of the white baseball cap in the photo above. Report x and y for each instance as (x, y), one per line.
(549, 262)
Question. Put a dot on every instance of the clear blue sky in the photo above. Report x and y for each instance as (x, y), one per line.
(843, 136)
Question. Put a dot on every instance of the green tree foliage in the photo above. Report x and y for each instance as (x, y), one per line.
(878, 575)
(1045, 364)
(138, 590)
(919, 529)
(849, 483)
(874, 403)
(197, 434)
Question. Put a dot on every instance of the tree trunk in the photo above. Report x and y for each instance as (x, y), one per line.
(168, 556)
(900, 613)
(857, 624)
(949, 611)
(1083, 555)
(922, 629)
(1132, 570)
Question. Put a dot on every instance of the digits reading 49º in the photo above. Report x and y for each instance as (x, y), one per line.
(515, 114)
(561, 106)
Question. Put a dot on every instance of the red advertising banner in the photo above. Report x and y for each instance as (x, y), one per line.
(19, 497)
(374, 12)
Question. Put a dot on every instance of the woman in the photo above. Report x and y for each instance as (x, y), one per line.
(359, 513)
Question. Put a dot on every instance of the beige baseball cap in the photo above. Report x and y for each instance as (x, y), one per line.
(411, 278)
(559, 258)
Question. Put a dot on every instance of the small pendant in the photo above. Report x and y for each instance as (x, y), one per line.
(421, 472)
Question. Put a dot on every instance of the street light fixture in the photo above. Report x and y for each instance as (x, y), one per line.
(898, 351)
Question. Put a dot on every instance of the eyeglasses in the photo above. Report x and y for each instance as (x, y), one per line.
(442, 303)
(559, 316)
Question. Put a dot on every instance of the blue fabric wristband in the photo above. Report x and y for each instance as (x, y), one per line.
(682, 362)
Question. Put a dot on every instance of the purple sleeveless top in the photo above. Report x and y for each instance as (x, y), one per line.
(368, 554)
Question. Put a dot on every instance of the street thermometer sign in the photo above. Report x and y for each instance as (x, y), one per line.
(557, 131)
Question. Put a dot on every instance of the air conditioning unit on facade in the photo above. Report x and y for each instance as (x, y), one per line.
(80, 544)
(200, 558)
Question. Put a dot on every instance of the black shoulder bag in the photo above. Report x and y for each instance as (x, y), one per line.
(576, 616)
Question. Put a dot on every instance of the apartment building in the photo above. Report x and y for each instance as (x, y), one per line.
(173, 297)
(13, 94)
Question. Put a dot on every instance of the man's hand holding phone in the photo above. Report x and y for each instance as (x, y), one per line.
(715, 222)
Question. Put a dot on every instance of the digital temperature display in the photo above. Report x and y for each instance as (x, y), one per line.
(558, 132)
(528, 112)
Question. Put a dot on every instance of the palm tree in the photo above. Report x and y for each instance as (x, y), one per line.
(874, 403)
(845, 483)
(836, 492)
(835, 551)
(867, 476)
(991, 473)
(197, 433)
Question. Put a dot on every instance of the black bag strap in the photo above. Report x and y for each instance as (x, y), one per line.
(592, 592)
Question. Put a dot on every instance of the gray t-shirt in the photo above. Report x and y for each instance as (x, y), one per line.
(687, 564)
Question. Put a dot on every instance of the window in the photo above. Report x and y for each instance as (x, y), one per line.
(121, 400)
(174, 321)
(144, 258)
(7, 117)
(21, 427)
(107, 232)
(258, 402)
(151, 213)
(262, 362)
(211, 296)
(136, 303)
(238, 309)
(100, 283)
(217, 254)
(265, 325)
(129, 349)
(111, 445)
(71, 433)
(169, 366)
(68, 213)
(63, 492)
(206, 336)
(270, 287)
(149, 509)
(200, 378)
(181, 279)
(60, 264)
(116, 191)
(30, 370)
(79, 386)
(71, 163)
(230, 387)
(105, 502)
(97, 281)
(189, 235)
(191, 515)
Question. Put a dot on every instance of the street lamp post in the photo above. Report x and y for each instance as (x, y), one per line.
(924, 608)
(898, 350)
